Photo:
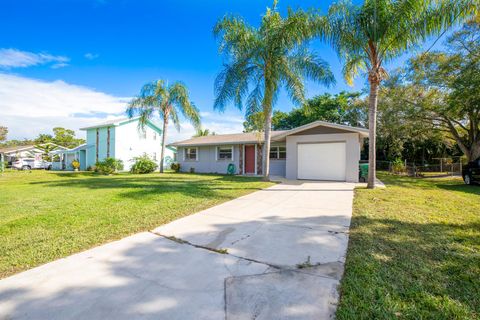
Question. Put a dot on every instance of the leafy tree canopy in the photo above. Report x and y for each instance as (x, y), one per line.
(343, 108)
(61, 136)
(3, 133)
(443, 88)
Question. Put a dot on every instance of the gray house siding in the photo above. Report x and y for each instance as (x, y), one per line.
(278, 167)
(206, 161)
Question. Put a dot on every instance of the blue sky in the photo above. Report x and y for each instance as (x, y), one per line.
(73, 62)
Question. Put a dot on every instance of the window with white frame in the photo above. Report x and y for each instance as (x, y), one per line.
(191, 153)
(143, 134)
(278, 152)
(155, 156)
(225, 153)
(154, 136)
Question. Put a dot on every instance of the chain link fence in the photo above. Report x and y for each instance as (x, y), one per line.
(441, 167)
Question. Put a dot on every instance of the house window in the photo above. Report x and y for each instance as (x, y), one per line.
(225, 153)
(191, 154)
(155, 156)
(278, 153)
(154, 136)
(143, 135)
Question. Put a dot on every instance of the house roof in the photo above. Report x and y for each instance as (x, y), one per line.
(28, 147)
(363, 132)
(78, 148)
(16, 148)
(118, 122)
(257, 137)
(218, 139)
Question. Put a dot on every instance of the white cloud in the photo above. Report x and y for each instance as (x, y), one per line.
(30, 106)
(91, 56)
(187, 130)
(13, 58)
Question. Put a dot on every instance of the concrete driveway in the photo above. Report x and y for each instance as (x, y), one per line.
(274, 254)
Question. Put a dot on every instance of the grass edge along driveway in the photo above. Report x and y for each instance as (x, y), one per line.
(414, 251)
(49, 215)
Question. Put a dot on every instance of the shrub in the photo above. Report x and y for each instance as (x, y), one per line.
(398, 166)
(175, 166)
(109, 166)
(143, 164)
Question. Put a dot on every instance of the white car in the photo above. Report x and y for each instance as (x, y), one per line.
(31, 163)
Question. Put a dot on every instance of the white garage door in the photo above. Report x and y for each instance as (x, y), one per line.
(322, 161)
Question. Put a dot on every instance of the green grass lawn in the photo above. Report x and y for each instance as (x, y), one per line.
(414, 251)
(48, 215)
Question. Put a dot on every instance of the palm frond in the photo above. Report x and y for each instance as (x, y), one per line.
(231, 84)
(180, 99)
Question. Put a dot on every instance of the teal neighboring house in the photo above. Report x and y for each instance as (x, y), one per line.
(120, 139)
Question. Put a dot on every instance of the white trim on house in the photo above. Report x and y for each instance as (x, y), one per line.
(363, 132)
(278, 152)
(185, 152)
(217, 151)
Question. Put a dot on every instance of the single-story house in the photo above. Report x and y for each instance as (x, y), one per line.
(120, 139)
(66, 157)
(11, 154)
(317, 151)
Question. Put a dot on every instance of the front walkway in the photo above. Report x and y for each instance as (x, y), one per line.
(274, 254)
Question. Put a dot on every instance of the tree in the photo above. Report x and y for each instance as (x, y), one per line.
(3, 133)
(168, 101)
(401, 131)
(444, 87)
(261, 61)
(343, 108)
(369, 35)
(61, 136)
(203, 133)
(43, 138)
(46, 148)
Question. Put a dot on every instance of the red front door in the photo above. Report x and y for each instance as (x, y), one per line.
(249, 159)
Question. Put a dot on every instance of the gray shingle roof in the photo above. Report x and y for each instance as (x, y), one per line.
(256, 137)
(234, 138)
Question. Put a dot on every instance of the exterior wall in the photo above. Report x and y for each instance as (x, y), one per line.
(91, 142)
(91, 156)
(129, 143)
(259, 159)
(352, 141)
(278, 166)
(206, 160)
(82, 159)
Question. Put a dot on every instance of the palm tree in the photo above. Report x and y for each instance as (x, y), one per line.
(168, 101)
(369, 35)
(203, 133)
(261, 61)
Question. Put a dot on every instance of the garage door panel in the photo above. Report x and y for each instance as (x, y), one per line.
(321, 161)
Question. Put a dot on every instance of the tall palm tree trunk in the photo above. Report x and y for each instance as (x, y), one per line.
(266, 147)
(164, 135)
(372, 131)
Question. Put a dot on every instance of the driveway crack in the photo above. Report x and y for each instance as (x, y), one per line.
(218, 251)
